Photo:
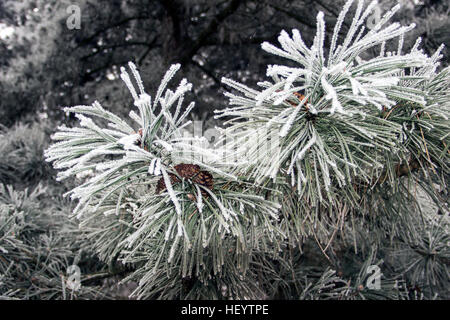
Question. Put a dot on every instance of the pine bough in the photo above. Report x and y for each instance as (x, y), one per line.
(342, 132)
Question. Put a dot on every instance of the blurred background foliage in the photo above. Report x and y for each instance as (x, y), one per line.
(45, 66)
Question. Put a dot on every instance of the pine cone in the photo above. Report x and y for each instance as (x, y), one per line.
(187, 171)
(162, 185)
(205, 179)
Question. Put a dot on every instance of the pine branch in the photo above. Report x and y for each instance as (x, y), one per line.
(232, 223)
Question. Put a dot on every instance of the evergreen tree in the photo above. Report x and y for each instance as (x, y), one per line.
(317, 183)
(38, 242)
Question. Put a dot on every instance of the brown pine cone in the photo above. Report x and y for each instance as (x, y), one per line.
(205, 179)
(187, 171)
(162, 185)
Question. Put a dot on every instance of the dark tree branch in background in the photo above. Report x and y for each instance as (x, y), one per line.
(101, 50)
(329, 7)
(186, 50)
(246, 41)
(334, 11)
(207, 72)
(144, 55)
(151, 45)
(175, 9)
(297, 16)
(209, 30)
(117, 24)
